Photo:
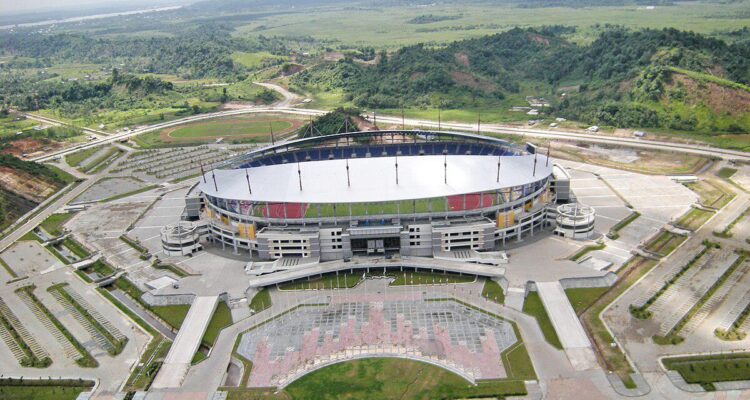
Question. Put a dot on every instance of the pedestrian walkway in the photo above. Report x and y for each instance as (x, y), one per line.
(188, 339)
(569, 329)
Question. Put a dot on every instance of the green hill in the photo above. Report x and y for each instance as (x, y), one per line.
(667, 79)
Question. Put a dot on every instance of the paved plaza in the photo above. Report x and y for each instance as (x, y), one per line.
(441, 331)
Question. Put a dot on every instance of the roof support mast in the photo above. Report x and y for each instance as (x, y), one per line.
(299, 174)
(348, 181)
(498, 168)
(247, 177)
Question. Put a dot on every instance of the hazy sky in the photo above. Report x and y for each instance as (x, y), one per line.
(17, 6)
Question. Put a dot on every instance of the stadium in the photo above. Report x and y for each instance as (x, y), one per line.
(408, 193)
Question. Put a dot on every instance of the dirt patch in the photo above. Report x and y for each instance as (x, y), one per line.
(469, 80)
(539, 39)
(26, 185)
(291, 69)
(462, 59)
(720, 99)
(641, 161)
(417, 75)
(362, 124)
(31, 147)
(333, 56)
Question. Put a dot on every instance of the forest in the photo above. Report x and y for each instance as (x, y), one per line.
(622, 79)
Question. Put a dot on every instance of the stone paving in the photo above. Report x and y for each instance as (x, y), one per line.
(405, 324)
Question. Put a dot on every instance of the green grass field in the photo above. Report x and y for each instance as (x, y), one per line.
(706, 370)
(712, 193)
(40, 393)
(389, 27)
(493, 291)
(383, 378)
(694, 219)
(53, 224)
(261, 300)
(229, 127)
(78, 157)
(534, 307)
(726, 172)
(172, 315)
(240, 129)
(221, 319)
(428, 278)
(664, 243)
(256, 59)
(391, 208)
(327, 281)
(582, 298)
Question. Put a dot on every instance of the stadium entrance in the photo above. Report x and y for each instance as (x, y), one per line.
(376, 246)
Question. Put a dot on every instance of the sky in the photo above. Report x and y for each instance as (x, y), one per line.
(8, 7)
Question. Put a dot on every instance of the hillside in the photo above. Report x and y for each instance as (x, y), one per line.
(665, 79)
(23, 185)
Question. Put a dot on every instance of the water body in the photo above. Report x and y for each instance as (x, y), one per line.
(88, 17)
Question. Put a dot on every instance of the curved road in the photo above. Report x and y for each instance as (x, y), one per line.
(702, 150)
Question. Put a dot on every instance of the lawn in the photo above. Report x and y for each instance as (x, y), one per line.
(493, 291)
(582, 298)
(664, 243)
(101, 162)
(229, 127)
(613, 356)
(78, 157)
(693, 219)
(221, 319)
(385, 378)
(237, 129)
(389, 208)
(712, 193)
(172, 315)
(261, 300)
(706, 370)
(534, 307)
(53, 224)
(518, 363)
(326, 281)
(428, 278)
(40, 393)
(586, 250)
(726, 172)
(256, 59)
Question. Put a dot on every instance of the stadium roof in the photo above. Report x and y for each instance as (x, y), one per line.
(374, 179)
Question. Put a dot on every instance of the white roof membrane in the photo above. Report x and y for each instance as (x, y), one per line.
(374, 179)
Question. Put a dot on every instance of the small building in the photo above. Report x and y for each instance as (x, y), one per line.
(559, 119)
(533, 111)
(553, 125)
(639, 133)
(593, 129)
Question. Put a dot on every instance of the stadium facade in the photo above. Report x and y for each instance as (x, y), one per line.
(413, 193)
